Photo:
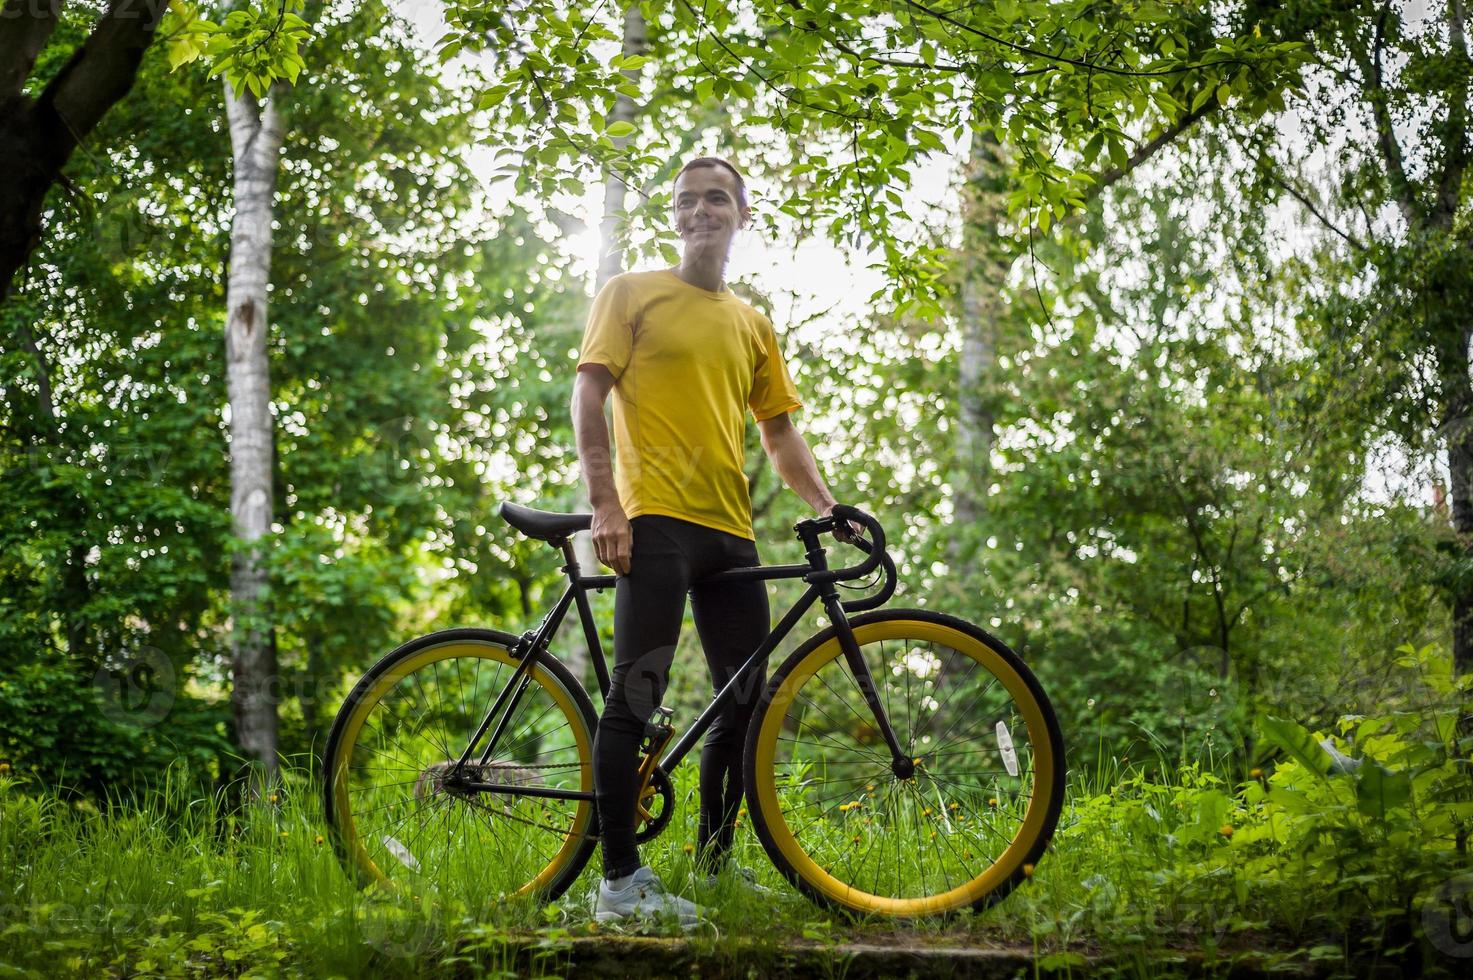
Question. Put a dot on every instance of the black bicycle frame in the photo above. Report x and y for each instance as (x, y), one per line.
(534, 644)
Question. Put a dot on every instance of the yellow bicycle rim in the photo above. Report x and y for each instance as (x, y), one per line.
(353, 846)
(968, 893)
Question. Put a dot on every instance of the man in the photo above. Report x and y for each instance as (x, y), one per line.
(685, 360)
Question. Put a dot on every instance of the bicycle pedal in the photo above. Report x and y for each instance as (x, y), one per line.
(659, 723)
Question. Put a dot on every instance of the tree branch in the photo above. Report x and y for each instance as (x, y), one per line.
(24, 27)
(1270, 170)
(102, 70)
(1062, 59)
(1450, 183)
(45, 401)
(1375, 95)
(1150, 148)
(839, 43)
(786, 94)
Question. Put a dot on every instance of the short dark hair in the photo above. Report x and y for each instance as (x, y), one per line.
(718, 162)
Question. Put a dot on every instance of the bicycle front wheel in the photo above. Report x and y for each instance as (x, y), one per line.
(397, 806)
(958, 832)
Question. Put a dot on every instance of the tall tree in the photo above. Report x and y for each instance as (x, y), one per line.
(1435, 265)
(622, 121)
(610, 251)
(1393, 90)
(983, 263)
(256, 135)
(394, 296)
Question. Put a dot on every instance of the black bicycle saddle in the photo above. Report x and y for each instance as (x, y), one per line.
(544, 525)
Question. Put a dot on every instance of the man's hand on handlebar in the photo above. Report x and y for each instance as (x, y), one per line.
(845, 531)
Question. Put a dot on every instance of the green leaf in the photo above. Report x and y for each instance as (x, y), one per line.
(622, 127)
(1092, 148)
(1294, 739)
(183, 51)
(1378, 789)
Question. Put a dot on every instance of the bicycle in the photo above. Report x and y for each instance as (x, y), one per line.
(927, 783)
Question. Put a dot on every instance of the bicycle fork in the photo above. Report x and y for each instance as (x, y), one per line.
(900, 761)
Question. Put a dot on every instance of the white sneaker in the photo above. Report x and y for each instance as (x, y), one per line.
(642, 895)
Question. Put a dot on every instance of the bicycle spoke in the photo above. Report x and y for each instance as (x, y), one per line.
(839, 799)
(396, 794)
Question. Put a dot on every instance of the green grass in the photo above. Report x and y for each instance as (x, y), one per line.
(1140, 871)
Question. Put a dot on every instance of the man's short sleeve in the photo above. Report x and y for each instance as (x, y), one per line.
(773, 392)
(608, 338)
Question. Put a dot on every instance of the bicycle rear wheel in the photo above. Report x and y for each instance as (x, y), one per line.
(395, 806)
(980, 806)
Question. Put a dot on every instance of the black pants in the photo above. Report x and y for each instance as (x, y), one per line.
(669, 557)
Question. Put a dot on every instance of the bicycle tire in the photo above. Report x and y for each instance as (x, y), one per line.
(845, 861)
(459, 832)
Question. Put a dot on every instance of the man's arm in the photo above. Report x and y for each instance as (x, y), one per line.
(613, 539)
(793, 460)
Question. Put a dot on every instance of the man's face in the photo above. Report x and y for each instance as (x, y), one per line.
(707, 214)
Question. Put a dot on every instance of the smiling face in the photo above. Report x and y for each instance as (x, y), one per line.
(707, 209)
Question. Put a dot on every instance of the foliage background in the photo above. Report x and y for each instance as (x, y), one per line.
(1216, 484)
(1187, 519)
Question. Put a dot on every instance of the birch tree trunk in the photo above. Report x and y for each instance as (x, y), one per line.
(611, 260)
(255, 140)
(610, 264)
(985, 263)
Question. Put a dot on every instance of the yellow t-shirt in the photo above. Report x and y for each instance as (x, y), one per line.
(687, 364)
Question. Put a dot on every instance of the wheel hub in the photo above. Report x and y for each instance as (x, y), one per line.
(451, 779)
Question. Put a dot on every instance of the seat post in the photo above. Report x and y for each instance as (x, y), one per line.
(570, 556)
